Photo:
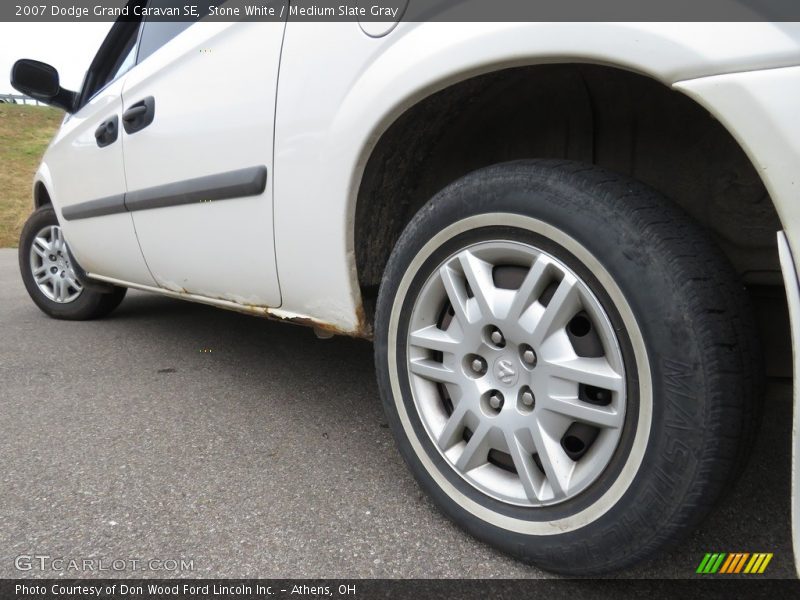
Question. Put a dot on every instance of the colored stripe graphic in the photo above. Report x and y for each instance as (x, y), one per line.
(703, 563)
(727, 564)
(711, 563)
(718, 563)
(753, 564)
(740, 564)
(735, 559)
(767, 558)
(734, 562)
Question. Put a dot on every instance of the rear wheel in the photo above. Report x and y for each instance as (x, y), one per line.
(567, 364)
(50, 274)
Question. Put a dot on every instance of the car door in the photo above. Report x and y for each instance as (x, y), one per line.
(199, 110)
(86, 171)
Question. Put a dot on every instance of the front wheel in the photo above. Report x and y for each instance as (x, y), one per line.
(49, 273)
(568, 366)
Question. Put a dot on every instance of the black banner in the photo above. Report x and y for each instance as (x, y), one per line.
(424, 589)
(403, 10)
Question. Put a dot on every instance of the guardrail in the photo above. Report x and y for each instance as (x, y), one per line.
(17, 99)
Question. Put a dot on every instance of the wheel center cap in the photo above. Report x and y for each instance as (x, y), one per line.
(505, 372)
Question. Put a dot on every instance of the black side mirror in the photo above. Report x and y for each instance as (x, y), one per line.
(40, 81)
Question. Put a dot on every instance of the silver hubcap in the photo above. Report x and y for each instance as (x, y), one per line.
(519, 383)
(51, 267)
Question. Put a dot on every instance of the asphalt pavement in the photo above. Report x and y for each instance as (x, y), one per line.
(172, 431)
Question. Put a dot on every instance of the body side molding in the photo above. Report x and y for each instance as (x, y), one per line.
(251, 181)
(222, 186)
(95, 208)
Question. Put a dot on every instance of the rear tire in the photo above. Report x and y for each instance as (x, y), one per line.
(49, 274)
(673, 365)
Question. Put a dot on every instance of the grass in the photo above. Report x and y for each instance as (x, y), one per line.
(25, 132)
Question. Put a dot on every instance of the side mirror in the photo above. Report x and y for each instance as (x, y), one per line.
(40, 81)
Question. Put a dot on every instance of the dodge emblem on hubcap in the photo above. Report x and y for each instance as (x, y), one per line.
(505, 372)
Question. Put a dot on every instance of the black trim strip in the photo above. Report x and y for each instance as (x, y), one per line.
(222, 186)
(95, 208)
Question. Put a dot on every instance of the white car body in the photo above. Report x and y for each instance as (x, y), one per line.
(312, 109)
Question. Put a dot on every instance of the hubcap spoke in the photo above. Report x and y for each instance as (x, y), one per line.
(564, 304)
(474, 454)
(55, 237)
(64, 291)
(41, 247)
(590, 371)
(555, 462)
(479, 276)
(576, 410)
(528, 473)
(72, 281)
(433, 338)
(433, 371)
(529, 290)
(58, 289)
(454, 428)
(456, 293)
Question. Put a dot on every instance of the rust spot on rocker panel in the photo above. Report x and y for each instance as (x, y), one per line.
(363, 328)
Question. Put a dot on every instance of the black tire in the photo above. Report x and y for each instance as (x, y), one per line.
(90, 304)
(697, 338)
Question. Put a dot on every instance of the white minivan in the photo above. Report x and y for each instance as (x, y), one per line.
(551, 231)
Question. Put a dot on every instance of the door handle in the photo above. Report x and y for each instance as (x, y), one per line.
(140, 115)
(134, 113)
(106, 133)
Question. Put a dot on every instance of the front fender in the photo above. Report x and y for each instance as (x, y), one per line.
(334, 105)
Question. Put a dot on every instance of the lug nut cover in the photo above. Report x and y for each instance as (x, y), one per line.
(527, 398)
(529, 356)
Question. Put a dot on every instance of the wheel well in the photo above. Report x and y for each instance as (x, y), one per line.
(601, 115)
(41, 196)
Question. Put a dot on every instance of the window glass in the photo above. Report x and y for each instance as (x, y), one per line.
(158, 33)
(127, 60)
(115, 58)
